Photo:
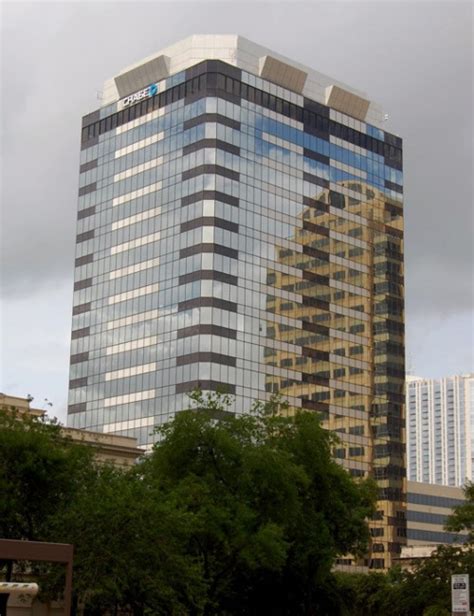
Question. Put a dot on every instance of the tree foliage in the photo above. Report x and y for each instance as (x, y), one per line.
(228, 515)
(270, 505)
(40, 472)
(423, 591)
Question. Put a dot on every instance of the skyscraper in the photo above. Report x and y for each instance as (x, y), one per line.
(440, 429)
(240, 228)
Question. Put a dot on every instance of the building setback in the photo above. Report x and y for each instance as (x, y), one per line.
(440, 431)
(240, 227)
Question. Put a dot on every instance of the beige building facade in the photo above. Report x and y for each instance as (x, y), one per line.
(428, 508)
(118, 450)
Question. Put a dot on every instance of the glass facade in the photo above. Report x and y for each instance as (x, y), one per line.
(236, 235)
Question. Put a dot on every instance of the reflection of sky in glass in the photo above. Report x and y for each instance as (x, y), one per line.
(372, 163)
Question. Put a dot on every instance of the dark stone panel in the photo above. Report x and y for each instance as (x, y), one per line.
(210, 195)
(209, 221)
(393, 140)
(313, 301)
(207, 329)
(85, 190)
(211, 90)
(81, 308)
(213, 66)
(393, 186)
(215, 248)
(83, 284)
(337, 199)
(83, 237)
(315, 354)
(227, 388)
(394, 209)
(214, 169)
(316, 156)
(316, 278)
(83, 260)
(90, 118)
(211, 117)
(315, 125)
(80, 333)
(197, 69)
(208, 275)
(316, 107)
(218, 66)
(77, 408)
(319, 229)
(308, 177)
(88, 211)
(393, 157)
(316, 380)
(92, 164)
(211, 143)
(316, 119)
(318, 205)
(221, 79)
(75, 383)
(214, 358)
(315, 328)
(79, 357)
(207, 302)
(392, 231)
(344, 132)
(314, 252)
(212, 84)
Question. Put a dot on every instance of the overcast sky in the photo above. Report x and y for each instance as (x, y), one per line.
(413, 58)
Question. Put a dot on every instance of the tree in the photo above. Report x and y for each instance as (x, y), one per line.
(130, 548)
(40, 470)
(129, 544)
(271, 508)
(364, 594)
(462, 518)
(228, 515)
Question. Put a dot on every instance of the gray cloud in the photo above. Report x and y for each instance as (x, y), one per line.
(413, 58)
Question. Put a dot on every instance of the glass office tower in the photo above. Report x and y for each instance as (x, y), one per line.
(240, 228)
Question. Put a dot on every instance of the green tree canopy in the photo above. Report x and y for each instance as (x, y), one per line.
(462, 518)
(40, 472)
(227, 515)
(271, 507)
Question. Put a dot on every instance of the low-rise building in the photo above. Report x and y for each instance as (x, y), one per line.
(428, 508)
(119, 450)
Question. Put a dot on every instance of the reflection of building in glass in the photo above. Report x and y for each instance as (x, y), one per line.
(333, 338)
(440, 429)
(240, 227)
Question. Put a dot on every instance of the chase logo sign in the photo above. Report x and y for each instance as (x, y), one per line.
(138, 96)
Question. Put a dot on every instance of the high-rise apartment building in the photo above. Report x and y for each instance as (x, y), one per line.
(440, 429)
(240, 227)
